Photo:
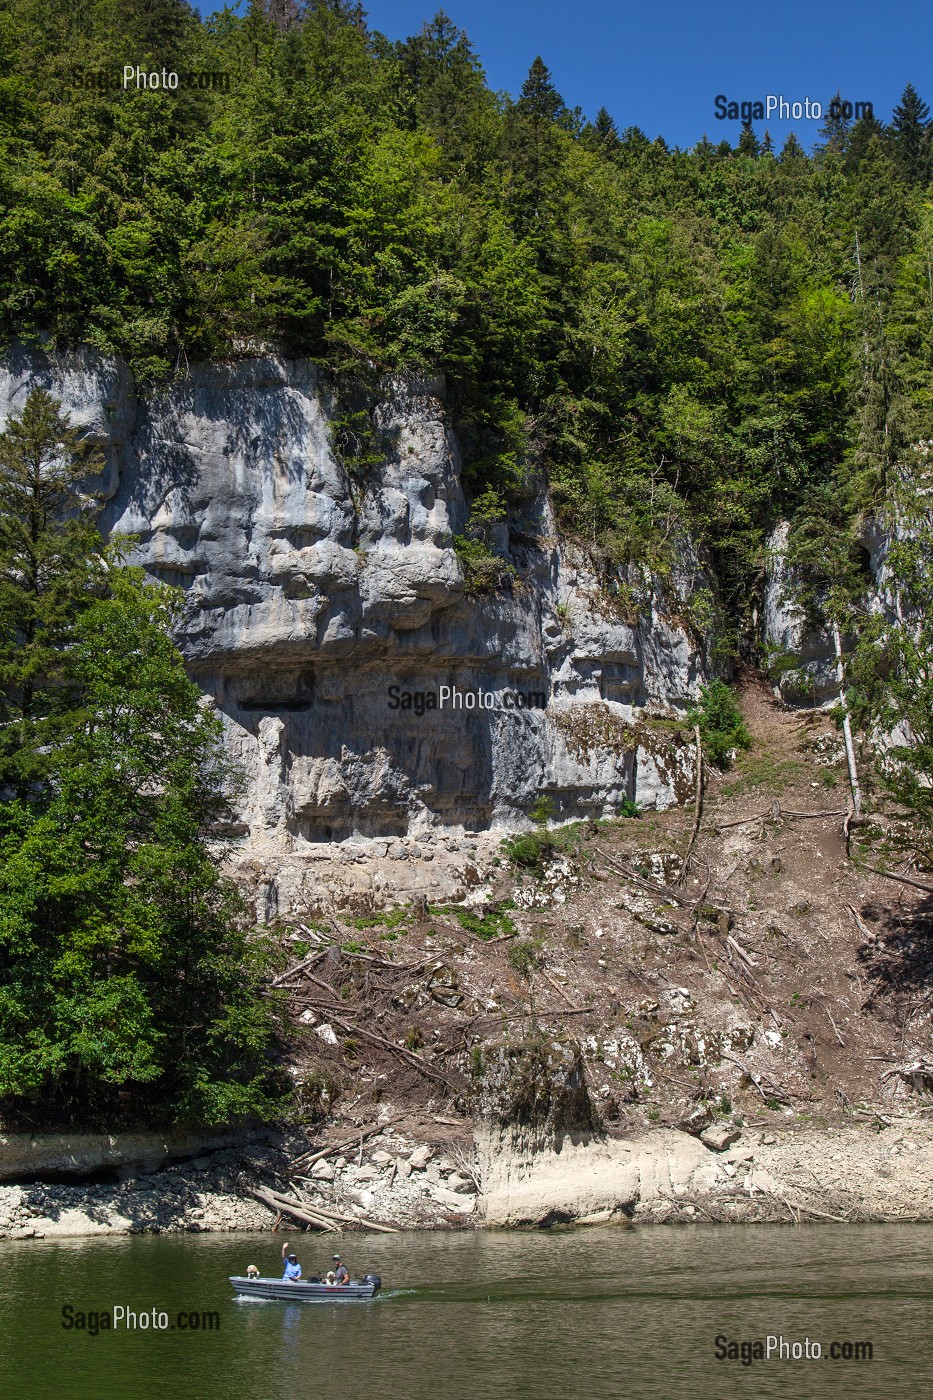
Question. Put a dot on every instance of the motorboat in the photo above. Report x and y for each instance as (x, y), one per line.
(311, 1290)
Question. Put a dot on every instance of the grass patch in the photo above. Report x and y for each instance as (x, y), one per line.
(492, 923)
(388, 918)
(762, 770)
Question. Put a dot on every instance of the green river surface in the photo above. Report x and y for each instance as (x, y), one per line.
(581, 1315)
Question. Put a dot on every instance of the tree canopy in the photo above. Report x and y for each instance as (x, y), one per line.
(130, 984)
(724, 329)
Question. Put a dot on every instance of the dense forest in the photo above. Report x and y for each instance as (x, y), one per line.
(684, 345)
(712, 338)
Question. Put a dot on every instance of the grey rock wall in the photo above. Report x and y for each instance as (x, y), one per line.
(310, 595)
(801, 659)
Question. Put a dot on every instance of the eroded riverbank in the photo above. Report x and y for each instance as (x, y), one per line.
(408, 1179)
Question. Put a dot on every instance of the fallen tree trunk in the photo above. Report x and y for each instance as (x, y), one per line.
(308, 1159)
(297, 1209)
(313, 1215)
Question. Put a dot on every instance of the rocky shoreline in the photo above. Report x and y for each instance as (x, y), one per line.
(852, 1173)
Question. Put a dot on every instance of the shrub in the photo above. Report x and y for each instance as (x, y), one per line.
(483, 571)
(524, 956)
(722, 727)
(492, 924)
(529, 851)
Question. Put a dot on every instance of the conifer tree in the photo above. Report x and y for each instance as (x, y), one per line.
(866, 130)
(605, 132)
(533, 142)
(792, 149)
(910, 128)
(48, 563)
(834, 132)
(748, 141)
(539, 100)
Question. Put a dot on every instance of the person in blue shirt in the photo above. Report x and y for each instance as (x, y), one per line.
(292, 1267)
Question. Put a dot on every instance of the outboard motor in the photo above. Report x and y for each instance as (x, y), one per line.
(374, 1279)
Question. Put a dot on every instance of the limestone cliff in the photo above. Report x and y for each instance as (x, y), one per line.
(310, 594)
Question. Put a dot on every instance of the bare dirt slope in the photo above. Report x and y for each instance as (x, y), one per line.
(772, 979)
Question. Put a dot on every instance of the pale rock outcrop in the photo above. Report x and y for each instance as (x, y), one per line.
(802, 659)
(311, 594)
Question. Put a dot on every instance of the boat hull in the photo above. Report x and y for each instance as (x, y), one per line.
(281, 1290)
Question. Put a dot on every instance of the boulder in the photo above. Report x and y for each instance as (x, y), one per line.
(420, 1158)
(720, 1136)
(460, 1184)
(453, 1200)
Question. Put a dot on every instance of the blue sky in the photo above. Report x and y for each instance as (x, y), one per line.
(660, 65)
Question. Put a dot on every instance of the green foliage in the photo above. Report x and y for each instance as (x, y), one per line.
(679, 343)
(891, 672)
(629, 808)
(542, 811)
(131, 986)
(385, 918)
(483, 571)
(530, 851)
(722, 728)
(524, 956)
(494, 923)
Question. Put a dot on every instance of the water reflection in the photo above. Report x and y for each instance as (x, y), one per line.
(598, 1314)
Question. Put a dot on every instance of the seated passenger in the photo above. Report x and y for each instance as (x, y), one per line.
(331, 1280)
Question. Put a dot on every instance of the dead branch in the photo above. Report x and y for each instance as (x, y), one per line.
(308, 1159)
(901, 879)
(779, 815)
(314, 1214)
(644, 884)
(737, 948)
(297, 1209)
(697, 806)
(408, 1056)
(305, 963)
(559, 990)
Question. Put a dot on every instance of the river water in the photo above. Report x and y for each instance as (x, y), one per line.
(586, 1315)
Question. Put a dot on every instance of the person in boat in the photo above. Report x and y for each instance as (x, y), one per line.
(292, 1267)
(330, 1279)
(252, 1271)
(341, 1273)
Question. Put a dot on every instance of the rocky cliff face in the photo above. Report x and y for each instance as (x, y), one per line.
(311, 595)
(802, 660)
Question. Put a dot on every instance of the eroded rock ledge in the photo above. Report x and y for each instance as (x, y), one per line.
(311, 593)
